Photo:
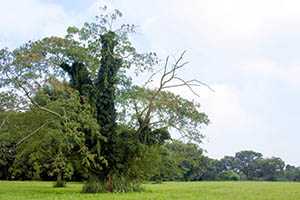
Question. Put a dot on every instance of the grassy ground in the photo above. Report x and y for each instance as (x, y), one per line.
(169, 190)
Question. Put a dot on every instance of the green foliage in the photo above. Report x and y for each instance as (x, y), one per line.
(115, 184)
(292, 173)
(94, 186)
(180, 161)
(184, 162)
(246, 162)
(169, 110)
(228, 163)
(7, 144)
(271, 168)
(228, 176)
(36, 130)
(106, 111)
(168, 167)
(211, 170)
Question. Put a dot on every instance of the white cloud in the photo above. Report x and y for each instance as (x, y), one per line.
(94, 8)
(235, 23)
(271, 69)
(31, 19)
(233, 127)
(224, 107)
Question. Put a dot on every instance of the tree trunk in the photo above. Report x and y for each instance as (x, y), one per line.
(59, 181)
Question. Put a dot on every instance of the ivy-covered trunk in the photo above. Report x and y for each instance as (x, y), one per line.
(106, 111)
(101, 95)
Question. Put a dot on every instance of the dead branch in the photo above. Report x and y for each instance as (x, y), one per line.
(165, 82)
(150, 78)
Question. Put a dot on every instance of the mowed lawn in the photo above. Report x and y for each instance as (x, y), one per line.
(17, 190)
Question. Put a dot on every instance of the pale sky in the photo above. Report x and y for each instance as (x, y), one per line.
(248, 51)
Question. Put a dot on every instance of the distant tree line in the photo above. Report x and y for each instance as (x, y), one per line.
(186, 162)
(173, 161)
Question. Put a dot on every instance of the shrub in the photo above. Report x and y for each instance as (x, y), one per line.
(116, 184)
(228, 176)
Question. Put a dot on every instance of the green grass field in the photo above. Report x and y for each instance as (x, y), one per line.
(169, 190)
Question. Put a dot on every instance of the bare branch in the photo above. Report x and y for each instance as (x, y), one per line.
(65, 114)
(162, 83)
(3, 122)
(166, 65)
(165, 82)
(160, 121)
(197, 82)
(181, 132)
(187, 85)
(150, 78)
(31, 134)
(108, 48)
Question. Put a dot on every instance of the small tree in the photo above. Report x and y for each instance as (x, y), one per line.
(59, 119)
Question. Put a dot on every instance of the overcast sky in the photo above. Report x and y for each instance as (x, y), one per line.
(248, 51)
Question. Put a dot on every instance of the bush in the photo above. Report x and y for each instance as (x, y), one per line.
(228, 176)
(93, 187)
(116, 184)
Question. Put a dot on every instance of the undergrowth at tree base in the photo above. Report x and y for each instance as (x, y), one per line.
(117, 185)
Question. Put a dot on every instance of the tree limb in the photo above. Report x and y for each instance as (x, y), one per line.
(165, 82)
(28, 136)
(31, 99)
(4, 120)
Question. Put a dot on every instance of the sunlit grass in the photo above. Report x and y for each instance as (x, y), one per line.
(17, 190)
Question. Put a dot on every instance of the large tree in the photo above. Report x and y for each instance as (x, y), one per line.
(181, 162)
(246, 162)
(271, 169)
(93, 60)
